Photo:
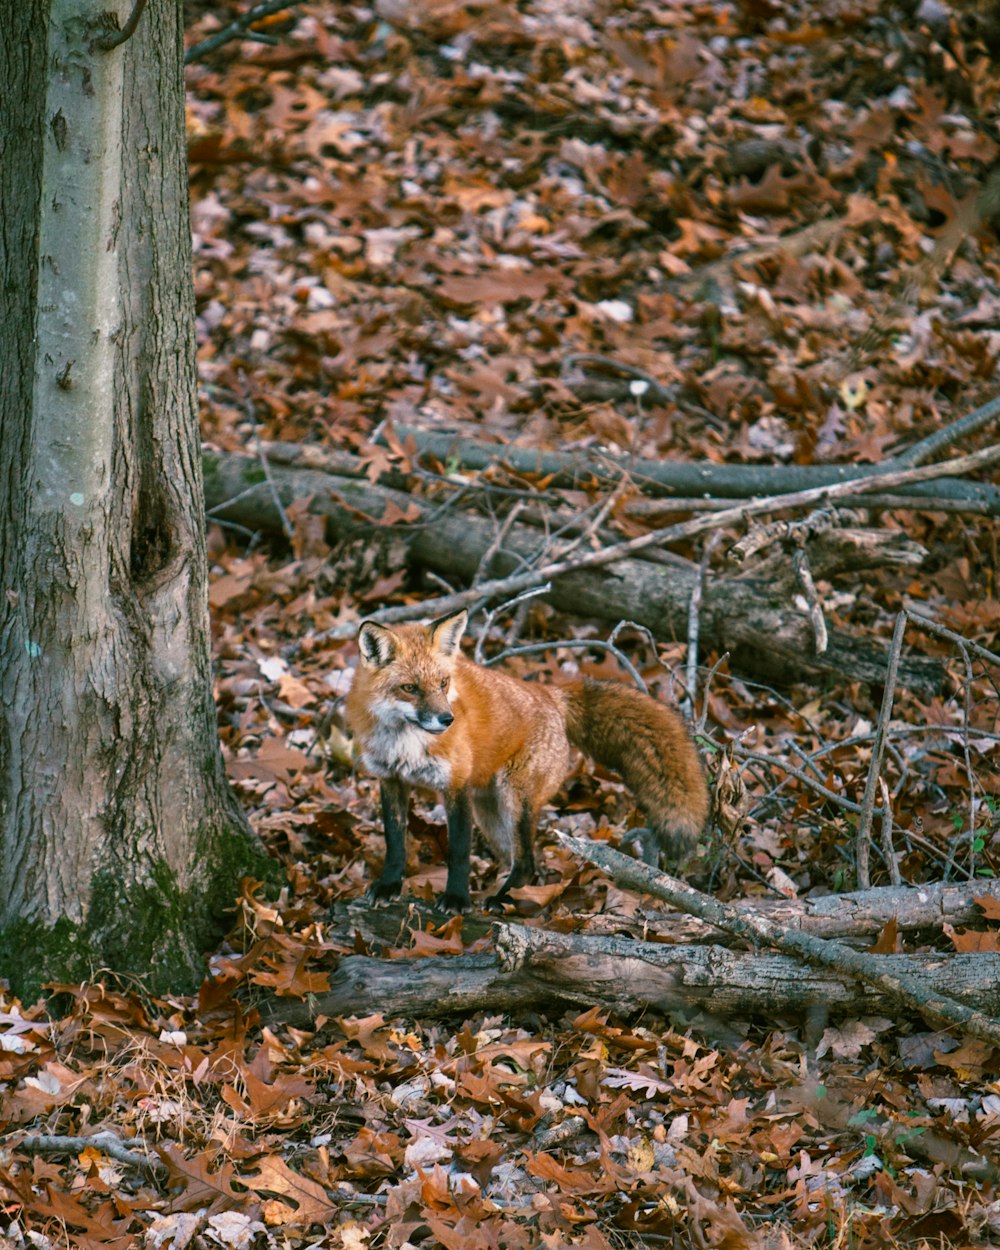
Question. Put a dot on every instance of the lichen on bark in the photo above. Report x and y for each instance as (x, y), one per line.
(121, 846)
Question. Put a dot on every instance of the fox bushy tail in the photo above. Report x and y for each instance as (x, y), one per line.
(649, 746)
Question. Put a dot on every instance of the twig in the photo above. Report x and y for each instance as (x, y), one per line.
(498, 539)
(572, 644)
(888, 850)
(493, 613)
(657, 391)
(644, 507)
(762, 932)
(966, 752)
(566, 1130)
(933, 627)
(671, 533)
(115, 40)
(107, 1143)
(863, 842)
(237, 29)
(972, 422)
(840, 800)
(800, 562)
(703, 718)
(761, 536)
(694, 624)
(286, 526)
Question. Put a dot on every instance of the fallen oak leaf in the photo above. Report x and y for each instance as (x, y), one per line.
(201, 1187)
(640, 1082)
(970, 940)
(312, 1204)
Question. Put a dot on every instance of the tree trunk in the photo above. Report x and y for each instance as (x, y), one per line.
(122, 843)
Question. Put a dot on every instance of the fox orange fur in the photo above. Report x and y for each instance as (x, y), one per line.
(498, 748)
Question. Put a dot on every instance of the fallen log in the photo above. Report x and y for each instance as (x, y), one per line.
(672, 478)
(859, 915)
(938, 1003)
(539, 970)
(752, 615)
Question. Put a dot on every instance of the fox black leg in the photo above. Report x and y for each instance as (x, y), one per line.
(523, 870)
(395, 797)
(456, 893)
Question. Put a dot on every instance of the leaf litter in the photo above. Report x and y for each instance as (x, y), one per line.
(416, 214)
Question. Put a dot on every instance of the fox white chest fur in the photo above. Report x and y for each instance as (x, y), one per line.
(397, 748)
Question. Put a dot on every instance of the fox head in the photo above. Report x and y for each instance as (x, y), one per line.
(408, 670)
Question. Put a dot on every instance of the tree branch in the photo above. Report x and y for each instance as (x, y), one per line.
(118, 37)
(673, 533)
(899, 985)
(238, 29)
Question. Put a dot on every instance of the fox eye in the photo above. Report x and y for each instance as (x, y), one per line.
(444, 684)
(408, 688)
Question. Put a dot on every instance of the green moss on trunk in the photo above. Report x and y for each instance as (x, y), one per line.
(153, 931)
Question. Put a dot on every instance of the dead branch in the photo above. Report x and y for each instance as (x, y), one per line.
(107, 1143)
(936, 1003)
(750, 614)
(238, 29)
(863, 838)
(118, 37)
(683, 530)
(545, 971)
(693, 481)
(951, 434)
(859, 915)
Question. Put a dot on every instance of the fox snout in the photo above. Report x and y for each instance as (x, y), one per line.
(434, 722)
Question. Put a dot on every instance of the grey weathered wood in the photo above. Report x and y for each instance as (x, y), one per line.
(116, 822)
(752, 615)
(554, 971)
(670, 477)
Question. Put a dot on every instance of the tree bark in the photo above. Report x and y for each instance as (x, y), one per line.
(538, 969)
(752, 615)
(859, 915)
(122, 843)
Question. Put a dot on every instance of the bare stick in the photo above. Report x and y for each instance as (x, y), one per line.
(694, 625)
(933, 627)
(671, 533)
(265, 465)
(107, 1143)
(644, 507)
(888, 850)
(966, 752)
(966, 718)
(566, 1130)
(656, 389)
(497, 543)
(761, 536)
(694, 481)
(878, 749)
(493, 613)
(572, 644)
(238, 29)
(831, 796)
(811, 595)
(761, 932)
(127, 31)
(709, 677)
(973, 421)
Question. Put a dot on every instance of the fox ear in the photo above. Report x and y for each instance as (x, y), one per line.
(377, 644)
(446, 631)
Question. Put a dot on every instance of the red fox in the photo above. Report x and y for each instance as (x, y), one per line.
(499, 748)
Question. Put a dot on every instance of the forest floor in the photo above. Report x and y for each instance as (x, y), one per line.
(424, 214)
